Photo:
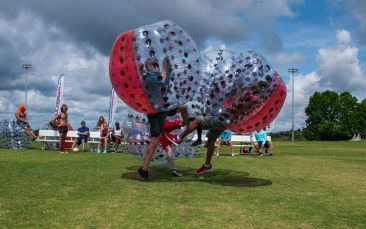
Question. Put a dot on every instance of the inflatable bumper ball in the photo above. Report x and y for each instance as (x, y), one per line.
(242, 90)
(4, 134)
(155, 68)
(12, 136)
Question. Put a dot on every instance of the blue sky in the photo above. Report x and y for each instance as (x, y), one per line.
(326, 40)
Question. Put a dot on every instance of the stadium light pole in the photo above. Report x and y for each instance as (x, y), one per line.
(26, 67)
(293, 71)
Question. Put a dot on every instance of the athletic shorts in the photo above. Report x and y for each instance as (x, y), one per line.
(114, 138)
(22, 124)
(225, 142)
(266, 144)
(213, 124)
(80, 139)
(103, 134)
(156, 121)
(62, 129)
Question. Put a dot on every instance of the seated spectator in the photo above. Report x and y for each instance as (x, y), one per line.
(100, 123)
(260, 142)
(23, 121)
(225, 139)
(117, 136)
(104, 137)
(83, 133)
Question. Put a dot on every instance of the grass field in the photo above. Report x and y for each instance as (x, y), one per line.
(305, 185)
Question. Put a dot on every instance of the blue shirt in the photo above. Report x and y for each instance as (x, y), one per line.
(83, 129)
(225, 135)
(260, 136)
(153, 77)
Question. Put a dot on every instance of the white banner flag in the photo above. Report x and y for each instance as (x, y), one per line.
(270, 126)
(112, 108)
(59, 93)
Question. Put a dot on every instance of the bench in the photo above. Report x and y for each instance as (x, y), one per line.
(238, 140)
(52, 136)
(242, 141)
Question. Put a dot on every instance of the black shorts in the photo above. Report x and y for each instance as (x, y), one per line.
(114, 138)
(266, 144)
(80, 139)
(156, 121)
(62, 129)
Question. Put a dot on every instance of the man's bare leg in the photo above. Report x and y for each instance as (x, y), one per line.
(183, 110)
(190, 128)
(169, 157)
(218, 148)
(150, 152)
(210, 151)
(62, 142)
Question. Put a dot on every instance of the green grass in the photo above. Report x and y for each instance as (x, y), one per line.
(305, 185)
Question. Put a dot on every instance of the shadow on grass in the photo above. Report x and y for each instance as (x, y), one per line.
(222, 177)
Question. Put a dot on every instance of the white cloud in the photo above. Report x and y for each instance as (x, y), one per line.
(87, 84)
(283, 58)
(343, 36)
(338, 69)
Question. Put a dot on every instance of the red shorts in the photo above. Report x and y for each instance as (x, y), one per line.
(165, 142)
(168, 127)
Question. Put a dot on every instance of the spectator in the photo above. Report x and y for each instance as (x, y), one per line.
(83, 133)
(260, 141)
(117, 136)
(104, 137)
(100, 123)
(225, 139)
(22, 121)
(62, 120)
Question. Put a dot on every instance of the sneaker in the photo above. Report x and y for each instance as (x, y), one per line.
(174, 139)
(271, 154)
(217, 154)
(98, 151)
(176, 173)
(144, 175)
(203, 169)
(105, 151)
(197, 142)
(233, 154)
(260, 154)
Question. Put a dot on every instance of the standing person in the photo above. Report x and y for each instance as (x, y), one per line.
(167, 145)
(23, 122)
(225, 139)
(155, 79)
(215, 127)
(83, 133)
(100, 123)
(104, 137)
(260, 140)
(117, 136)
(62, 118)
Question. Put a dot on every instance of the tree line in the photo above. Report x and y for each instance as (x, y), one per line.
(332, 116)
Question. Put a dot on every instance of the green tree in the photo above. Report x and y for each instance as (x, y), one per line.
(330, 116)
(359, 117)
